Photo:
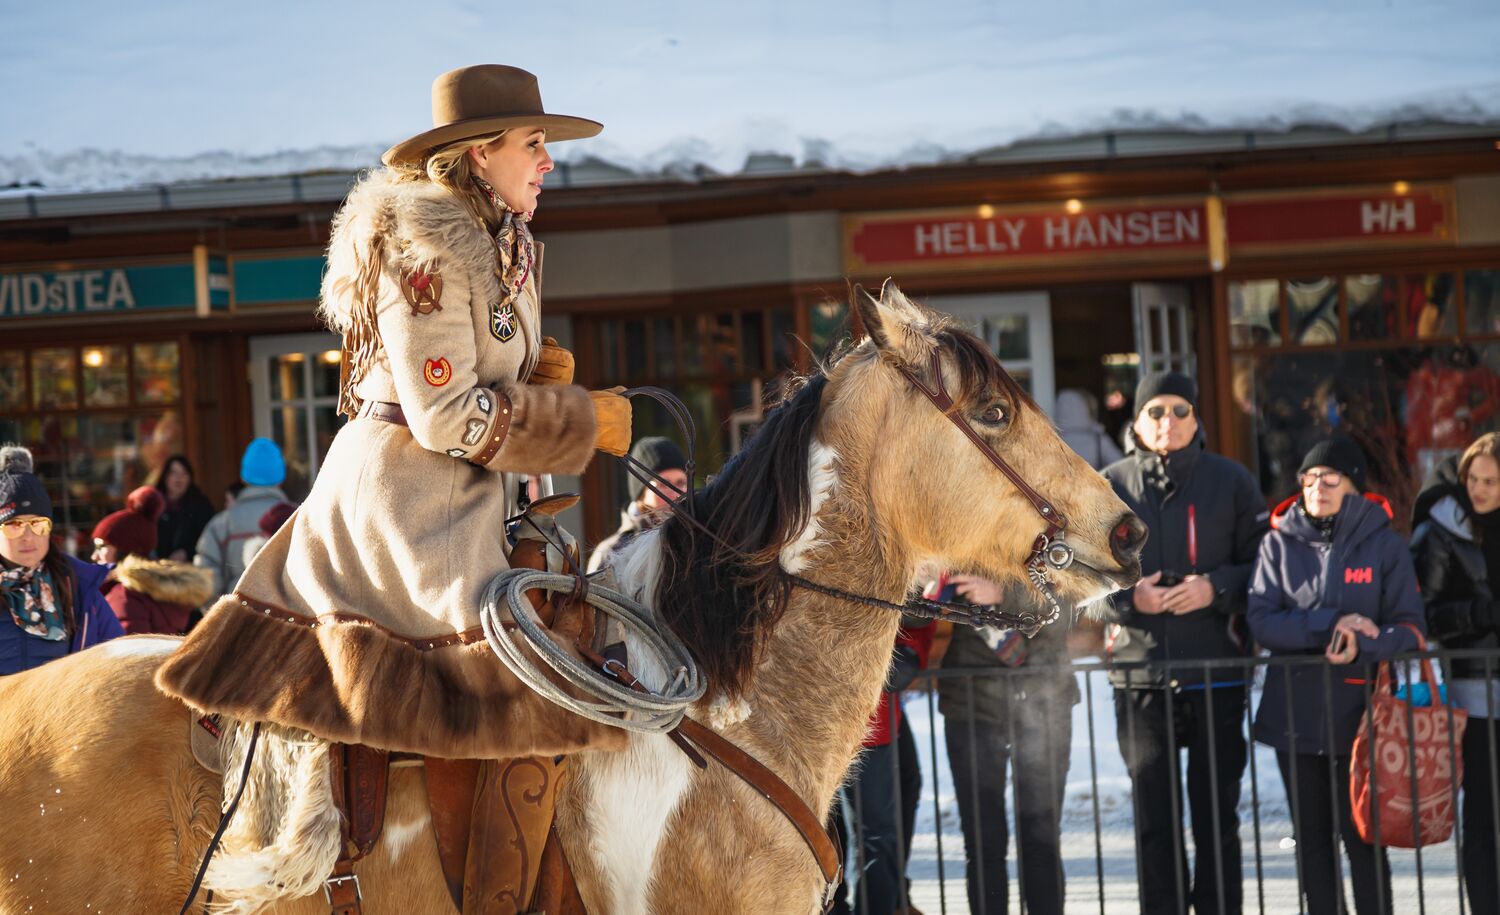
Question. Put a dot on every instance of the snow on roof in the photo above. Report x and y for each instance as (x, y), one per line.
(118, 96)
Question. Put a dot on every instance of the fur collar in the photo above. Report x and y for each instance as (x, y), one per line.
(418, 223)
(166, 581)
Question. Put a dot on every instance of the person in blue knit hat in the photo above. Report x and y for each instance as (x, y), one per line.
(221, 548)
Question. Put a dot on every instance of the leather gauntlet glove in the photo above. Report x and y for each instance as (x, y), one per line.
(554, 366)
(612, 417)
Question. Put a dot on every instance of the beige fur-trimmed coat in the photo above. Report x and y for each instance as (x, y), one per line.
(358, 621)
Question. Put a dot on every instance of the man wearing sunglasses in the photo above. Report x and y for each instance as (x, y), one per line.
(1206, 517)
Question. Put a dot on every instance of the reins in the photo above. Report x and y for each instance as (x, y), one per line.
(1048, 552)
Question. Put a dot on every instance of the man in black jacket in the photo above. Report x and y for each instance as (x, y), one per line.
(1206, 518)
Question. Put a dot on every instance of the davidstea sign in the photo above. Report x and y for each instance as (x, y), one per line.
(200, 285)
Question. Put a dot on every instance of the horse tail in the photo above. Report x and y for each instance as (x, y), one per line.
(285, 837)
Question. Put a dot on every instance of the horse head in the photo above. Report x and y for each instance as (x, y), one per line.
(938, 499)
(858, 480)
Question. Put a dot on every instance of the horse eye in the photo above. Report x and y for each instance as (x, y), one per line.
(994, 416)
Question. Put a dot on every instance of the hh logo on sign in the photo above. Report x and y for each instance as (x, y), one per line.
(1359, 576)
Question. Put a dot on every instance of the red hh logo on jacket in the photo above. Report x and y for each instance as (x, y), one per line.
(1359, 576)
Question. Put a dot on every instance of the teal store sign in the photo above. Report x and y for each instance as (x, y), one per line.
(202, 285)
(269, 281)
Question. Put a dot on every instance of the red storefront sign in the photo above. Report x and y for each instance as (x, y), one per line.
(1316, 220)
(974, 238)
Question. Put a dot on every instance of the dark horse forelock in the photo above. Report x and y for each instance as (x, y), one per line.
(724, 595)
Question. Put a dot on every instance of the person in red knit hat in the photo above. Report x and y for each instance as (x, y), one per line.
(148, 595)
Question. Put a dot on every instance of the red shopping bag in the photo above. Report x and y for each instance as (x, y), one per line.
(1417, 766)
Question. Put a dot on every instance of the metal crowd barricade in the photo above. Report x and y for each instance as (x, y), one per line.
(1096, 819)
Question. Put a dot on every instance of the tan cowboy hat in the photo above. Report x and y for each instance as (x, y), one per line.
(477, 101)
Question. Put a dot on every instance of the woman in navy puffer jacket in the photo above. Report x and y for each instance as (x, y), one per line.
(1334, 579)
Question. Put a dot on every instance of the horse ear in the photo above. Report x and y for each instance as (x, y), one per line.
(868, 308)
(897, 324)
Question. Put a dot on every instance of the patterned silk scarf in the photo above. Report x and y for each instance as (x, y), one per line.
(515, 257)
(31, 598)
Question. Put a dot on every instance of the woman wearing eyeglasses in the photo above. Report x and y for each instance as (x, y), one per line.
(1333, 578)
(53, 600)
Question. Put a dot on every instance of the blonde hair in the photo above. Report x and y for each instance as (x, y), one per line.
(1486, 445)
(449, 167)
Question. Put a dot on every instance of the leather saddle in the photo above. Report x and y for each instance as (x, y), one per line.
(491, 819)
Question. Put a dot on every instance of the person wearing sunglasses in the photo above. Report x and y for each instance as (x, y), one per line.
(1333, 578)
(52, 600)
(1206, 517)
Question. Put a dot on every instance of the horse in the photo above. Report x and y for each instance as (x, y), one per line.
(780, 576)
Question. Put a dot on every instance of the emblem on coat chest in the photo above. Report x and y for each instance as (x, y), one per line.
(437, 372)
(423, 291)
(503, 322)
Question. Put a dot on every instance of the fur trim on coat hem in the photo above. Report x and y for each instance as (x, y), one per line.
(345, 680)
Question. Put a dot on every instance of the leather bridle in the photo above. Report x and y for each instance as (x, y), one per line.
(1049, 551)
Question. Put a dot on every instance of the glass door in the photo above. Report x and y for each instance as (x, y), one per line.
(1164, 328)
(294, 384)
(1018, 327)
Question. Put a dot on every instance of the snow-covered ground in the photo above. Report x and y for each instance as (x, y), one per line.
(1101, 868)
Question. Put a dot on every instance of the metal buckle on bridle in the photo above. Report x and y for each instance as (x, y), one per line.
(348, 878)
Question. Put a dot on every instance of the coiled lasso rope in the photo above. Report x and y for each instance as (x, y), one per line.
(613, 703)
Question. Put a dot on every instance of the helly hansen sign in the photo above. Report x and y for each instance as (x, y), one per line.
(1387, 215)
(1014, 236)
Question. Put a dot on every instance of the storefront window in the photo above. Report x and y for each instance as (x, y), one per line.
(829, 324)
(1254, 313)
(54, 379)
(106, 376)
(1482, 301)
(157, 376)
(89, 463)
(1313, 308)
(1429, 305)
(1409, 404)
(12, 380)
(100, 420)
(1371, 303)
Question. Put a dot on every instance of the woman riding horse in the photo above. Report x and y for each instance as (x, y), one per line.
(358, 622)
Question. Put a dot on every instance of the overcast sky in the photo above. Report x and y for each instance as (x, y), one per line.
(872, 80)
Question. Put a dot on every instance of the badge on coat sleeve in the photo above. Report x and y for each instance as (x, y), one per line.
(503, 322)
(438, 372)
(483, 399)
(474, 431)
(423, 291)
(457, 452)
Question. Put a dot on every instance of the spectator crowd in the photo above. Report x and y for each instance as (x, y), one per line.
(1323, 572)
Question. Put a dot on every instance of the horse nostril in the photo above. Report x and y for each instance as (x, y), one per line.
(1126, 539)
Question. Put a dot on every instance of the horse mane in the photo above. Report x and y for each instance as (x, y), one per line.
(724, 594)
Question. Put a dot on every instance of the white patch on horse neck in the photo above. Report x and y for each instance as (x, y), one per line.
(140, 646)
(822, 476)
(635, 793)
(396, 837)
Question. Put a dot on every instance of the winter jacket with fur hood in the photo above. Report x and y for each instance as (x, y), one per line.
(156, 595)
(1303, 582)
(358, 621)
